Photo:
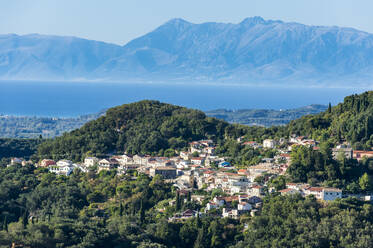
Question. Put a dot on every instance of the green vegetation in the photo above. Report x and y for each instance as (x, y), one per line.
(24, 148)
(351, 120)
(265, 117)
(50, 127)
(293, 221)
(146, 127)
(315, 167)
(39, 209)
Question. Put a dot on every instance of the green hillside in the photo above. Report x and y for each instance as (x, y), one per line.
(151, 127)
(351, 120)
(138, 128)
(18, 147)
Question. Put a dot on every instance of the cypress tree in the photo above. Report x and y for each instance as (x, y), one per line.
(198, 221)
(133, 210)
(121, 209)
(178, 206)
(200, 241)
(142, 212)
(24, 219)
(5, 224)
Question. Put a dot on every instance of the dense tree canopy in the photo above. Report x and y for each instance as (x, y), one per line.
(293, 221)
(351, 120)
(39, 209)
(18, 147)
(139, 128)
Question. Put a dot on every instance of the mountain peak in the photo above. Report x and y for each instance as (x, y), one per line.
(255, 50)
(177, 22)
(253, 20)
(257, 20)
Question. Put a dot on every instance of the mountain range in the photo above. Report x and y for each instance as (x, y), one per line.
(254, 51)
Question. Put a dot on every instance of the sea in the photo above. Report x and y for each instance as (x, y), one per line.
(71, 99)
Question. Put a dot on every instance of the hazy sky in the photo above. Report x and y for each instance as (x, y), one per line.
(119, 21)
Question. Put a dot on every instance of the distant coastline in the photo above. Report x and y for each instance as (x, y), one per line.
(49, 127)
(60, 99)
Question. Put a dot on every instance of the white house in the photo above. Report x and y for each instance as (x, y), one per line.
(109, 163)
(219, 201)
(244, 206)
(64, 162)
(184, 155)
(210, 206)
(269, 143)
(289, 191)
(330, 194)
(15, 161)
(63, 167)
(256, 190)
(90, 161)
(326, 194)
(197, 161)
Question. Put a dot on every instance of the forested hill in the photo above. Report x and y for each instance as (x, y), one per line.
(351, 120)
(151, 127)
(26, 127)
(143, 127)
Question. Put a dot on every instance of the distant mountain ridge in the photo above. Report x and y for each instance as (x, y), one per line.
(252, 51)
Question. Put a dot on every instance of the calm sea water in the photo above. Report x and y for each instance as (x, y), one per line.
(73, 99)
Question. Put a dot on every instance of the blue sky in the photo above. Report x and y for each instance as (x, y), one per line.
(119, 21)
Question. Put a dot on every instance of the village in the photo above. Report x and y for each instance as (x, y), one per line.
(200, 169)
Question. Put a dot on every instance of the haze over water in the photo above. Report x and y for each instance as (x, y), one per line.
(77, 98)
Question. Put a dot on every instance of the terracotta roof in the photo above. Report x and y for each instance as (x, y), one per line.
(230, 198)
(209, 172)
(230, 174)
(257, 187)
(292, 184)
(363, 152)
(285, 190)
(194, 165)
(249, 143)
(316, 189)
(165, 168)
(332, 189)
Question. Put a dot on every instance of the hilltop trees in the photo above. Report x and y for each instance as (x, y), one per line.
(351, 120)
(139, 128)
